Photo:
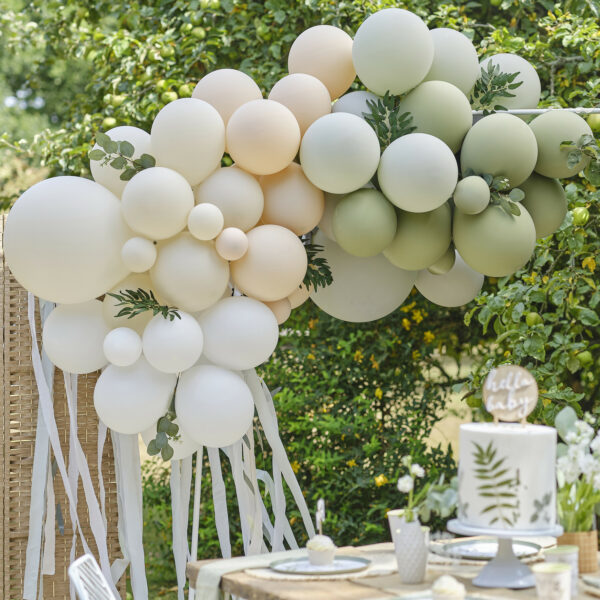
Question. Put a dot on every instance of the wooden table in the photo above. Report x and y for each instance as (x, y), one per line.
(368, 588)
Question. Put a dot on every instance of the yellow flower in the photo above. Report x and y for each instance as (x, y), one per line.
(589, 263)
(310, 356)
(358, 356)
(416, 354)
(374, 363)
(428, 337)
(408, 307)
(406, 324)
(351, 463)
(417, 316)
(378, 393)
(295, 466)
(507, 354)
(312, 323)
(381, 480)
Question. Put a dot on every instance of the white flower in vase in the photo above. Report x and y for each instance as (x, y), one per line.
(417, 470)
(406, 484)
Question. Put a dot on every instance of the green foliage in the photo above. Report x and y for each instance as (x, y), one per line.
(119, 155)
(387, 121)
(138, 301)
(492, 85)
(586, 146)
(166, 430)
(501, 193)
(318, 273)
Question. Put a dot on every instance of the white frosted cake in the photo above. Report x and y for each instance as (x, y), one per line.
(506, 476)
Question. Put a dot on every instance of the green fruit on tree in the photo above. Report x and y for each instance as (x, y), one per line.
(167, 51)
(199, 33)
(585, 358)
(108, 123)
(161, 85)
(472, 195)
(546, 202)
(185, 90)
(533, 318)
(581, 215)
(186, 28)
(594, 122)
(495, 2)
(167, 97)
(117, 100)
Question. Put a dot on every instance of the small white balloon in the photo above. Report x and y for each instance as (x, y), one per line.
(131, 399)
(138, 254)
(214, 406)
(281, 309)
(172, 345)
(232, 243)
(355, 103)
(122, 346)
(73, 336)
(183, 446)
(205, 221)
(298, 297)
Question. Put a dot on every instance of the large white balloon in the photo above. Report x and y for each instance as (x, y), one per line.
(339, 153)
(214, 406)
(73, 337)
(188, 135)
(63, 240)
(122, 346)
(131, 399)
(172, 345)
(239, 333)
(363, 289)
(355, 103)
(457, 287)
(183, 446)
(110, 177)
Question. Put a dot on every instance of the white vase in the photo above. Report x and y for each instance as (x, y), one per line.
(411, 542)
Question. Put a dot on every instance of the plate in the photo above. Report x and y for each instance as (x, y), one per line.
(302, 566)
(482, 549)
(428, 595)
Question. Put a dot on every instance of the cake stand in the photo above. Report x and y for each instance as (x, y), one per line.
(505, 570)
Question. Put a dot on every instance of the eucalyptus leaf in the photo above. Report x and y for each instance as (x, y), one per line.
(161, 439)
(111, 147)
(152, 448)
(173, 430)
(573, 158)
(163, 425)
(103, 140)
(118, 163)
(126, 148)
(167, 452)
(147, 161)
(127, 174)
(96, 154)
(516, 195)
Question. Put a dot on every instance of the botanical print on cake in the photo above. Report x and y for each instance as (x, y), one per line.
(541, 509)
(498, 486)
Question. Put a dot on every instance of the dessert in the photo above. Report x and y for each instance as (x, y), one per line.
(321, 550)
(447, 588)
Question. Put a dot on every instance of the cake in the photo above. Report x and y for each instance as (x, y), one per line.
(447, 588)
(506, 476)
(321, 550)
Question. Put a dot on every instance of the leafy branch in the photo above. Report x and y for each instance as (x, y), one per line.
(318, 273)
(138, 301)
(500, 193)
(119, 155)
(491, 85)
(166, 430)
(387, 121)
(586, 146)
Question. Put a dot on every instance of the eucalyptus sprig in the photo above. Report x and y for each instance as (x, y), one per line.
(138, 301)
(166, 431)
(501, 193)
(586, 146)
(318, 273)
(493, 84)
(387, 121)
(119, 155)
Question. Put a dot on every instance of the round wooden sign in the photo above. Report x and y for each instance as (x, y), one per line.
(510, 393)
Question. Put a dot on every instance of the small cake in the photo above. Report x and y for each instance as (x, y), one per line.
(447, 588)
(321, 550)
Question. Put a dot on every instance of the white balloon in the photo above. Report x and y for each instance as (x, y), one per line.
(138, 254)
(232, 243)
(418, 172)
(131, 399)
(457, 287)
(205, 221)
(188, 135)
(73, 336)
(355, 103)
(172, 345)
(156, 203)
(110, 177)
(63, 240)
(122, 346)
(183, 446)
(214, 406)
(239, 333)
(363, 289)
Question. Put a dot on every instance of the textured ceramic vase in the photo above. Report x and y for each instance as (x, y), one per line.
(412, 547)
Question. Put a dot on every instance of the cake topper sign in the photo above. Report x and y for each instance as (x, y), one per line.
(510, 393)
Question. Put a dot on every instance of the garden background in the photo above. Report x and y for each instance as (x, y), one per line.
(352, 399)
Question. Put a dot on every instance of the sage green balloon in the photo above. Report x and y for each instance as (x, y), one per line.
(546, 202)
(364, 223)
(500, 144)
(550, 130)
(445, 263)
(421, 238)
(440, 109)
(493, 242)
(472, 195)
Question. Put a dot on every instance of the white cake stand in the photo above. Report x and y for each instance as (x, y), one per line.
(505, 570)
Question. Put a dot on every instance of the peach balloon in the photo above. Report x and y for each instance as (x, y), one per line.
(298, 296)
(304, 95)
(274, 265)
(325, 52)
(231, 244)
(263, 136)
(281, 309)
(227, 90)
(291, 200)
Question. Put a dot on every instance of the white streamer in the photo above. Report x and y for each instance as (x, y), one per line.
(219, 501)
(181, 479)
(196, 512)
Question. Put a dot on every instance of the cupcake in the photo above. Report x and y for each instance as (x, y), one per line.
(447, 588)
(321, 550)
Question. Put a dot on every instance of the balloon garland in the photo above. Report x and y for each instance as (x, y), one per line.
(172, 272)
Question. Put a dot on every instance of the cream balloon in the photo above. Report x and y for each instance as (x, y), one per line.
(122, 346)
(527, 95)
(205, 221)
(110, 177)
(457, 287)
(156, 203)
(392, 51)
(304, 95)
(214, 406)
(325, 52)
(281, 309)
(443, 264)
(73, 335)
(227, 90)
(274, 265)
(454, 59)
(472, 195)
(239, 333)
(407, 168)
(111, 309)
(263, 136)
(237, 194)
(363, 289)
(63, 240)
(172, 345)
(355, 103)
(131, 399)
(138, 254)
(183, 445)
(291, 200)
(188, 136)
(189, 273)
(326, 222)
(231, 244)
(298, 296)
(339, 153)
(546, 202)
